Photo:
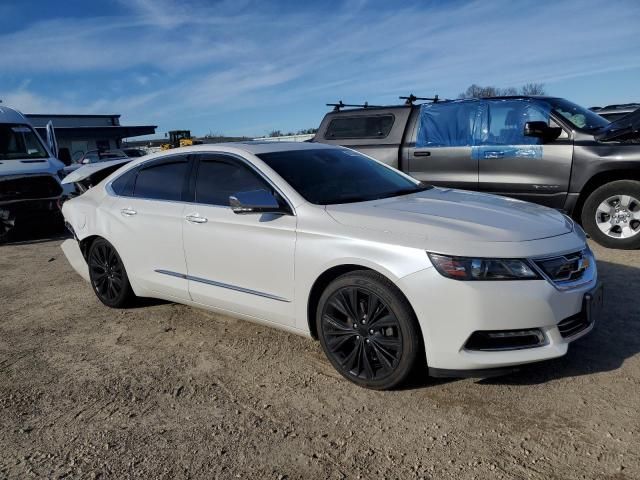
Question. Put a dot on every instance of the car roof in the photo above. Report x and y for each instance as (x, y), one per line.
(255, 147)
(9, 115)
(239, 148)
(623, 107)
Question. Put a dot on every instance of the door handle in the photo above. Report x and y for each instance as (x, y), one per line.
(494, 154)
(422, 154)
(128, 212)
(195, 218)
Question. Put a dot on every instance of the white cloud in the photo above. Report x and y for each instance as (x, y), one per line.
(235, 55)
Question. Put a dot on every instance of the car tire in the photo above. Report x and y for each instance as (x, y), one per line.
(611, 215)
(368, 330)
(108, 276)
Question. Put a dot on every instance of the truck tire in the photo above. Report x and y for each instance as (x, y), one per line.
(611, 214)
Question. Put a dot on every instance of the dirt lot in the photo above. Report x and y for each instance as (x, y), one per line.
(165, 390)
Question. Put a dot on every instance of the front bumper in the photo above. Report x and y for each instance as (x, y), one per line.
(450, 311)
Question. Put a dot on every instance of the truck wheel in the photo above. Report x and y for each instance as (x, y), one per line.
(611, 215)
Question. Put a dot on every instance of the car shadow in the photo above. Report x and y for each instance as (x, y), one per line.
(614, 339)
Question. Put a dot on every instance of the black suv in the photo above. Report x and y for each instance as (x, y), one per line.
(544, 150)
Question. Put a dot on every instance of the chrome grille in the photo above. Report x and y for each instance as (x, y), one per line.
(569, 270)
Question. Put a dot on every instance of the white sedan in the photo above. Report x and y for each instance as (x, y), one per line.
(389, 274)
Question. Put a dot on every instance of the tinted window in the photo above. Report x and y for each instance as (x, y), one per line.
(217, 180)
(162, 181)
(123, 185)
(330, 176)
(374, 126)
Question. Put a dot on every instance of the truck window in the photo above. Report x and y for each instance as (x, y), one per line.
(361, 126)
(507, 119)
(451, 124)
(19, 142)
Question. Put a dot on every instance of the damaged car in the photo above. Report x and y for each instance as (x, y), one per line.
(30, 175)
(386, 272)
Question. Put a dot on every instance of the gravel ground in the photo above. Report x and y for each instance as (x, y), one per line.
(165, 390)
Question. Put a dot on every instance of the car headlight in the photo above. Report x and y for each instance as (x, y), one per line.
(469, 268)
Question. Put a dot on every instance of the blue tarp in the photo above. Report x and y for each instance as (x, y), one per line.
(450, 124)
(476, 123)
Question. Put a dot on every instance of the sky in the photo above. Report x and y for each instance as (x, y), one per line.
(242, 67)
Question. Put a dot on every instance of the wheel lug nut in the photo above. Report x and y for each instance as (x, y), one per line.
(371, 331)
(357, 337)
(367, 340)
(355, 325)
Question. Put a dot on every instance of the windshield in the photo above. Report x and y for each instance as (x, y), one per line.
(330, 176)
(19, 141)
(580, 117)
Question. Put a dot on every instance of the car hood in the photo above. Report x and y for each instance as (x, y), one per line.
(628, 124)
(454, 215)
(38, 166)
(85, 171)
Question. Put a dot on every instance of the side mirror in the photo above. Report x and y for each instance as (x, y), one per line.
(542, 131)
(255, 201)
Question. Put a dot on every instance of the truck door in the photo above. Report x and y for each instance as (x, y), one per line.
(52, 142)
(440, 149)
(518, 166)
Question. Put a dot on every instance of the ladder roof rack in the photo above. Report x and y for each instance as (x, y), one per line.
(412, 98)
(340, 105)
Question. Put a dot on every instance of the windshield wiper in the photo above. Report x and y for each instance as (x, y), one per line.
(408, 191)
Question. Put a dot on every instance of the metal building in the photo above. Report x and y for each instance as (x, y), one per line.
(81, 133)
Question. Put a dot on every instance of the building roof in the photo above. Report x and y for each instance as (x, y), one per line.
(112, 131)
(71, 115)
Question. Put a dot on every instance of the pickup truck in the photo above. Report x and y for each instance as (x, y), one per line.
(544, 150)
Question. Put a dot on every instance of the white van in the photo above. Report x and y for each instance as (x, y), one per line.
(30, 174)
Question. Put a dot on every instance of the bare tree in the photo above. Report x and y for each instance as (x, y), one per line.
(275, 133)
(478, 91)
(533, 89)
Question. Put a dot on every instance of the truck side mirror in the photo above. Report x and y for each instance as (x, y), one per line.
(541, 130)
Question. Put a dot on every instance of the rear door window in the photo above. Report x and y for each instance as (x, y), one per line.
(162, 180)
(450, 124)
(361, 126)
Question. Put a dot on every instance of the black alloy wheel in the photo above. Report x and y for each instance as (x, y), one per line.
(108, 276)
(368, 330)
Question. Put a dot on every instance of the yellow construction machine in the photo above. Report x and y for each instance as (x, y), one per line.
(179, 138)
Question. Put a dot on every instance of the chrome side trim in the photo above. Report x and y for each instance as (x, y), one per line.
(222, 285)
